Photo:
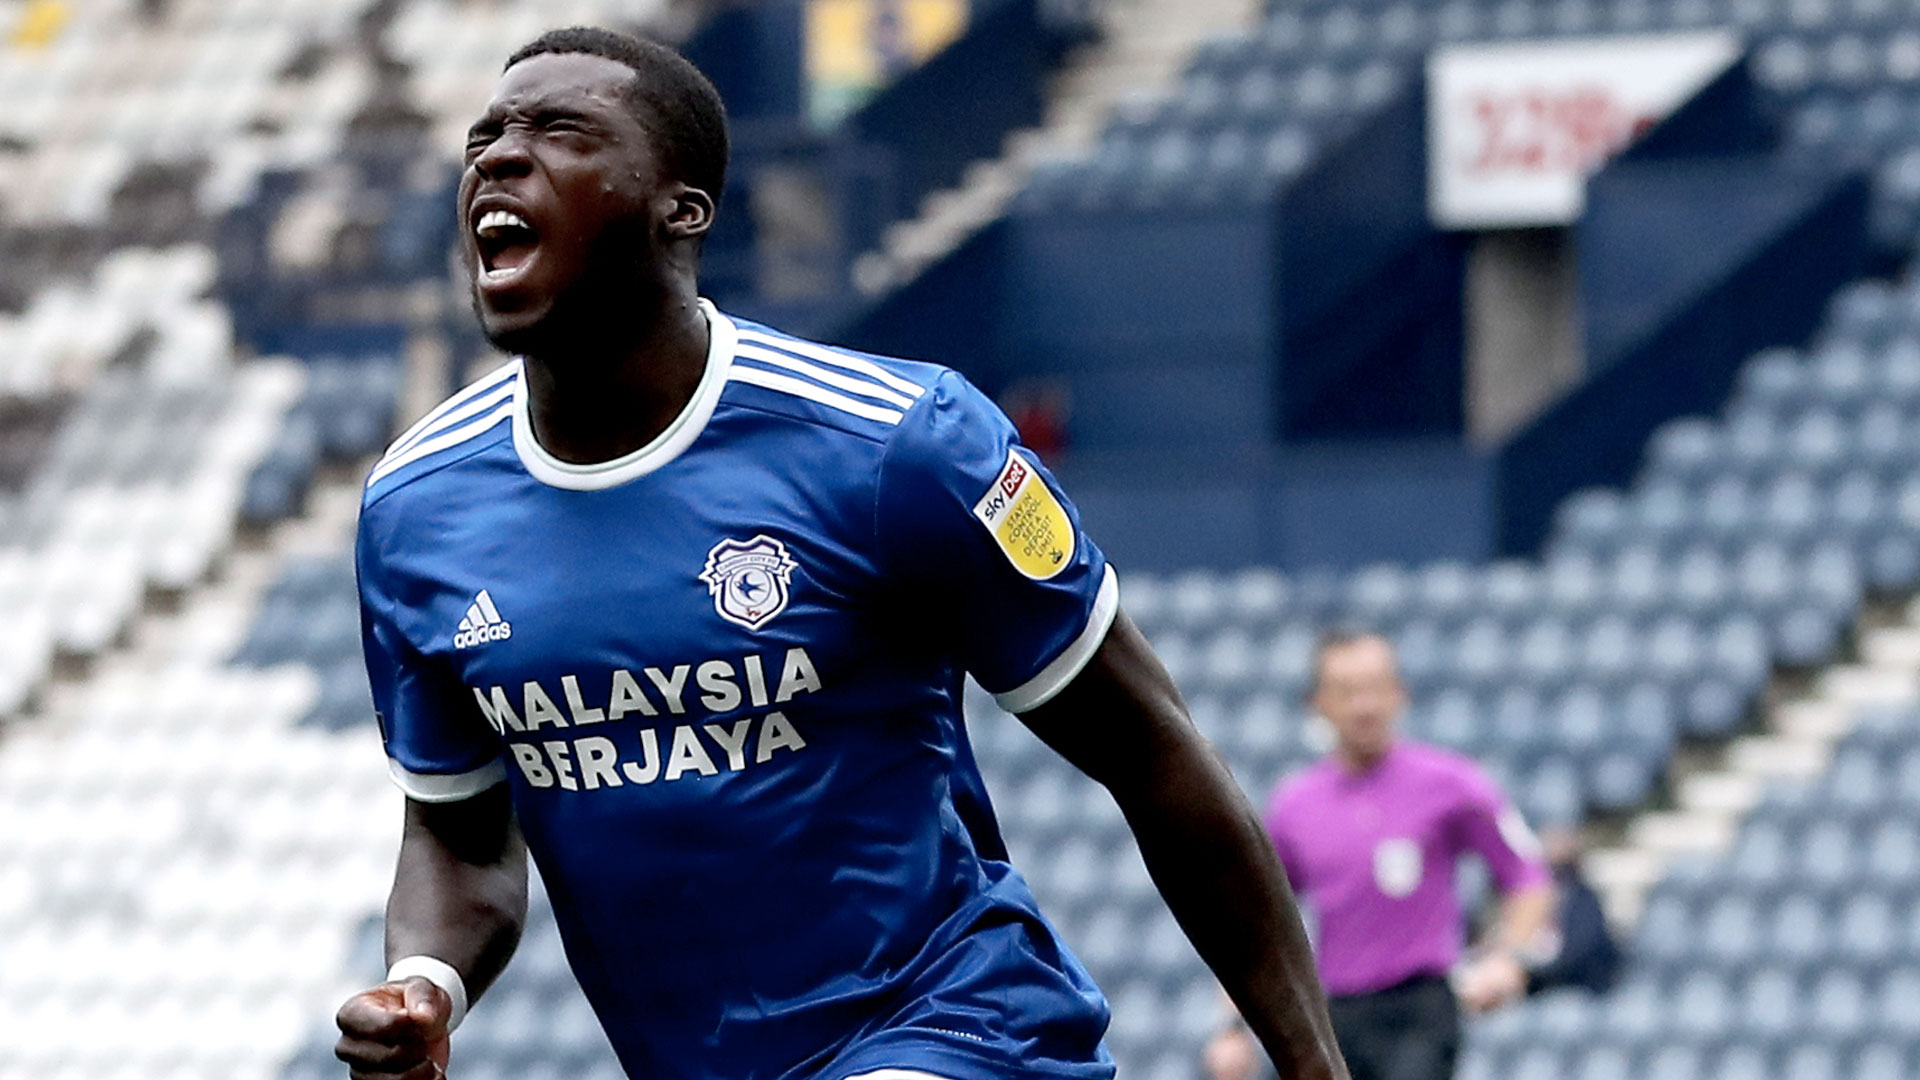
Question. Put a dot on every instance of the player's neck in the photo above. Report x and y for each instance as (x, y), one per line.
(609, 396)
(1359, 762)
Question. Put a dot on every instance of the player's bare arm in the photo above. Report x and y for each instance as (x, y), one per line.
(460, 896)
(1122, 722)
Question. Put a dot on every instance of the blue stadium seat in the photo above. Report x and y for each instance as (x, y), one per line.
(1899, 1003)
(1537, 1063)
(1771, 1004)
(1512, 590)
(1674, 1061)
(1880, 1061)
(1402, 29)
(1892, 856)
(1637, 580)
(1866, 931)
(1829, 856)
(1645, 720)
(1702, 1003)
(1611, 651)
(1761, 856)
(1634, 1012)
(1544, 653)
(1572, 585)
(1482, 653)
(1684, 450)
(1731, 933)
(1379, 596)
(1726, 511)
(1800, 929)
(1459, 20)
(1774, 383)
(1841, 1009)
(1864, 312)
(1621, 780)
(1666, 931)
(1446, 591)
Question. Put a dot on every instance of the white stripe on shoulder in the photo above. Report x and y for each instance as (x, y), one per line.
(838, 359)
(1054, 678)
(503, 374)
(820, 374)
(787, 384)
(442, 441)
(448, 421)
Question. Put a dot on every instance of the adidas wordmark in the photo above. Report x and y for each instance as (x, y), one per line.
(482, 624)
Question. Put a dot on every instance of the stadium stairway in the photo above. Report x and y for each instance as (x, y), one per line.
(1792, 950)
(1142, 45)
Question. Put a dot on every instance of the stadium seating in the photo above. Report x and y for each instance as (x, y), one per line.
(1254, 109)
(1796, 954)
(140, 481)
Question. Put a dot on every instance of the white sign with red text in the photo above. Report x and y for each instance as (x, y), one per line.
(1515, 129)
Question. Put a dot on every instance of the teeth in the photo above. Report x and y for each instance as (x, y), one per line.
(493, 221)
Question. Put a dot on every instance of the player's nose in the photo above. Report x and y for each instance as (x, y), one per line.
(504, 157)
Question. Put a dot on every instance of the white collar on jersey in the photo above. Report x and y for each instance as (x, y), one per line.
(722, 337)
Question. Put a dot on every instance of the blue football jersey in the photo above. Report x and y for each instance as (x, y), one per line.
(722, 676)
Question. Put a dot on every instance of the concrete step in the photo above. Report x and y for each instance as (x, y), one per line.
(1144, 46)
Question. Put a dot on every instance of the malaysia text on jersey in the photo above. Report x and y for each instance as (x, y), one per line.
(723, 677)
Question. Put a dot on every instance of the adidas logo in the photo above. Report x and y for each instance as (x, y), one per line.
(482, 624)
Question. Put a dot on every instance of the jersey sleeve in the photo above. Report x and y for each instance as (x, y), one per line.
(1491, 827)
(971, 525)
(438, 748)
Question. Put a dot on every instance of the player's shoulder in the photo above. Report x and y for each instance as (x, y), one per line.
(832, 388)
(1441, 765)
(476, 417)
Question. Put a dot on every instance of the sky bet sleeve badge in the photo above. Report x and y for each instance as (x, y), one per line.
(1026, 520)
(749, 579)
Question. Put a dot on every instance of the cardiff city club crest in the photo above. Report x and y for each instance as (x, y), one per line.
(748, 579)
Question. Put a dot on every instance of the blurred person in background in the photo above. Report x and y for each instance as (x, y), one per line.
(1586, 956)
(1371, 837)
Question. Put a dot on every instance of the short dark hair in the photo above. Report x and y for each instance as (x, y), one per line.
(1337, 637)
(670, 96)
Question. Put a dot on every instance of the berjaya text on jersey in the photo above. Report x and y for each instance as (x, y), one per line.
(594, 761)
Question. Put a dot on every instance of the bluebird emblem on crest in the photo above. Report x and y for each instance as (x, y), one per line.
(749, 579)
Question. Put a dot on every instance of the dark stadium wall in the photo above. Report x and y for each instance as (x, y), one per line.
(1368, 293)
(1274, 381)
(753, 54)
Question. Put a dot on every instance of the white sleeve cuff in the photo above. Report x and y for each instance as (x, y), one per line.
(440, 787)
(1054, 678)
(439, 973)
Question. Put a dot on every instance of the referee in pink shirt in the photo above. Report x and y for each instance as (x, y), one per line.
(1370, 837)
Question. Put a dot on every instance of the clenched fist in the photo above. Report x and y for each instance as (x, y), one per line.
(396, 1031)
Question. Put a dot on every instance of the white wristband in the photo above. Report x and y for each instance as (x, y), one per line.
(439, 973)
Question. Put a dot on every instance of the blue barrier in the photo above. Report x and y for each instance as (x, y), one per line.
(1368, 291)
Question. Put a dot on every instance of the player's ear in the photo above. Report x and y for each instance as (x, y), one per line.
(691, 214)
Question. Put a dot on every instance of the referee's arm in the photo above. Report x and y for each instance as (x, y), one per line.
(1122, 722)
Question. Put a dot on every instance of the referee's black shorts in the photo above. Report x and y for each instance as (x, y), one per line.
(1409, 1031)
